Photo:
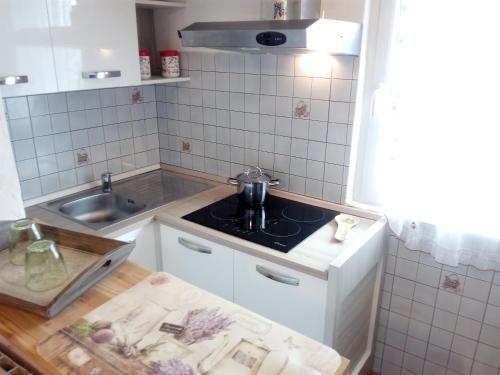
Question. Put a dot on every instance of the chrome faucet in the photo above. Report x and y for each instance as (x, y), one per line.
(106, 182)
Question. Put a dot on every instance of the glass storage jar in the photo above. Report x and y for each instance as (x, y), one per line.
(145, 64)
(170, 64)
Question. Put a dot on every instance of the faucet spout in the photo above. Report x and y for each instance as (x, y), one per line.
(106, 182)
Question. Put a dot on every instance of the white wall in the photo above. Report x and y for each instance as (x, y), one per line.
(10, 191)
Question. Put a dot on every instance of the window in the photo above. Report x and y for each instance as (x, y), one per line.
(427, 140)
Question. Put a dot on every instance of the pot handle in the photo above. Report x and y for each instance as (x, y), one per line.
(232, 181)
(274, 182)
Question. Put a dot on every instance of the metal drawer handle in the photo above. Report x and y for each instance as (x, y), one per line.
(102, 74)
(277, 276)
(194, 246)
(13, 80)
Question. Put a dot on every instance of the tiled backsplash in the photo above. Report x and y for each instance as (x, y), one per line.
(291, 115)
(67, 139)
(435, 319)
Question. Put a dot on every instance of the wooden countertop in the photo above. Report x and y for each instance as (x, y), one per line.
(21, 331)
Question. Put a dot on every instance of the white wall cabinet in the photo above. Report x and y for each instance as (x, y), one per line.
(94, 36)
(286, 296)
(147, 245)
(26, 47)
(198, 261)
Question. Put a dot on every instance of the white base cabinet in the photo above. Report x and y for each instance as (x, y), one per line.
(147, 245)
(286, 296)
(198, 261)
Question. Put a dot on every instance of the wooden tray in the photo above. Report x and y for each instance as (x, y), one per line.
(88, 259)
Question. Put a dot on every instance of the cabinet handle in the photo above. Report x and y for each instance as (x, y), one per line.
(277, 276)
(13, 80)
(102, 74)
(194, 246)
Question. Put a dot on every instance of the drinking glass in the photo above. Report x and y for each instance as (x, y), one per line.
(22, 233)
(44, 268)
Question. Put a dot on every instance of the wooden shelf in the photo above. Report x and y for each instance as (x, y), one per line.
(161, 80)
(159, 4)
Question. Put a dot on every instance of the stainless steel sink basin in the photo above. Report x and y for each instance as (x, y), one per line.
(130, 197)
(97, 210)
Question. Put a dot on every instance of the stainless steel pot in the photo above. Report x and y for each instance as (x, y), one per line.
(252, 186)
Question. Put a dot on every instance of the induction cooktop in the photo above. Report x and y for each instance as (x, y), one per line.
(280, 224)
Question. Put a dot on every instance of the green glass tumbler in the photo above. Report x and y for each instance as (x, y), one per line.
(22, 233)
(44, 268)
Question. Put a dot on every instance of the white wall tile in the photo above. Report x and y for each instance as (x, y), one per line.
(441, 338)
(20, 129)
(297, 184)
(252, 63)
(17, 107)
(27, 169)
(268, 85)
(38, 105)
(406, 269)
(341, 90)
(283, 106)
(319, 110)
(428, 275)
(316, 151)
(252, 103)
(425, 294)
(267, 105)
(472, 309)
(236, 63)
(422, 312)
(221, 62)
(47, 165)
(476, 289)
(416, 347)
(444, 320)
(464, 346)
(339, 112)
(284, 86)
(488, 355)
(320, 88)
(285, 65)
(480, 369)
(468, 327)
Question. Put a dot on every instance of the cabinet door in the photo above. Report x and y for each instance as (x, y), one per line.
(146, 248)
(198, 261)
(26, 47)
(91, 37)
(286, 296)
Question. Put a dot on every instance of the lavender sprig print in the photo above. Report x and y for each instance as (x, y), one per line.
(202, 324)
(172, 367)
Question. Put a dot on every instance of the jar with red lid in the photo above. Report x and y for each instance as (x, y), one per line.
(170, 64)
(145, 64)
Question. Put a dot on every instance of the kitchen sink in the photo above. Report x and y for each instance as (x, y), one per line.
(97, 210)
(130, 197)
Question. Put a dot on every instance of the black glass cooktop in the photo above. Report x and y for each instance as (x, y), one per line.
(280, 224)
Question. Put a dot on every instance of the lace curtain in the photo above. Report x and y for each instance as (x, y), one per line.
(436, 167)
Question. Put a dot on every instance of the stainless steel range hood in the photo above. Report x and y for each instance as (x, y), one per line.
(291, 36)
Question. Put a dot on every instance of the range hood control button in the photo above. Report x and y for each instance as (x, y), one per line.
(271, 38)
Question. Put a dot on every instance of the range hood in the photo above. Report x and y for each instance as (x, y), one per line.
(291, 36)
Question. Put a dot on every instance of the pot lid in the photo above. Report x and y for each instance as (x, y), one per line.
(253, 175)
